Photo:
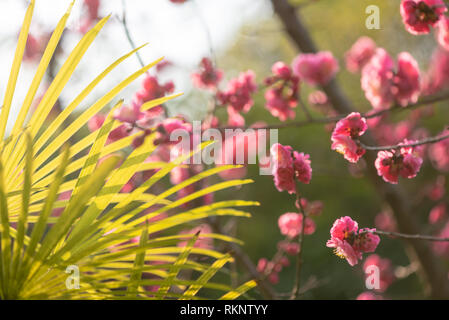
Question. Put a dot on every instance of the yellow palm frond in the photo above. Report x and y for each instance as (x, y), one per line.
(93, 231)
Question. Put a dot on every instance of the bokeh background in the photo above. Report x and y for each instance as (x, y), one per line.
(242, 35)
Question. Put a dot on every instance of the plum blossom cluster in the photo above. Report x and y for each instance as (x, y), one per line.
(238, 93)
(393, 164)
(390, 164)
(290, 225)
(288, 167)
(282, 95)
(384, 84)
(208, 77)
(360, 54)
(315, 68)
(350, 242)
(134, 119)
(345, 137)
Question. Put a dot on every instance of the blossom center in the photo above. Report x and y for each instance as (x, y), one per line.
(425, 13)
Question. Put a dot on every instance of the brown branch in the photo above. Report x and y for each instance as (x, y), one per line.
(405, 145)
(434, 275)
(409, 236)
(426, 100)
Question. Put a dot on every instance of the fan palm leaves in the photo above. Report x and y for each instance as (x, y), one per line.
(93, 232)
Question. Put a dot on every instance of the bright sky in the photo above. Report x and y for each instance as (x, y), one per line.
(174, 31)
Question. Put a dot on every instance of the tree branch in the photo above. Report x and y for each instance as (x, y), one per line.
(368, 115)
(128, 33)
(409, 236)
(405, 145)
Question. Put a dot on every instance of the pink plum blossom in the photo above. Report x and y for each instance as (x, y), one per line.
(349, 242)
(345, 136)
(392, 164)
(437, 76)
(238, 94)
(384, 85)
(366, 241)
(282, 95)
(439, 155)
(92, 9)
(301, 164)
(235, 119)
(438, 213)
(96, 122)
(128, 114)
(406, 82)
(288, 165)
(419, 15)
(290, 224)
(153, 89)
(202, 242)
(315, 68)
(207, 77)
(359, 54)
(386, 271)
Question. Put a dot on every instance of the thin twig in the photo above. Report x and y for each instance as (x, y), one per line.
(296, 288)
(406, 145)
(128, 34)
(368, 115)
(410, 236)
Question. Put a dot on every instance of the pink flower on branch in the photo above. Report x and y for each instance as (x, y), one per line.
(384, 84)
(238, 94)
(315, 68)
(349, 242)
(207, 77)
(437, 76)
(419, 15)
(360, 54)
(289, 166)
(282, 96)
(404, 162)
(346, 134)
(290, 224)
(92, 8)
(386, 273)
